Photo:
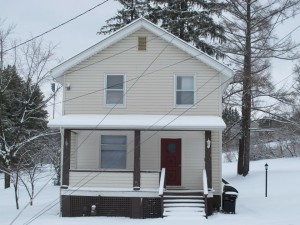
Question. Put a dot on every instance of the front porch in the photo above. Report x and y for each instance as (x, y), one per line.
(148, 202)
(134, 173)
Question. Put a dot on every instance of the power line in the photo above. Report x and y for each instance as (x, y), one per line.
(56, 27)
(181, 114)
(122, 96)
(172, 121)
(42, 211)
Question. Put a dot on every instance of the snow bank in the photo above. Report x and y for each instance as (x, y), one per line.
(281, 207)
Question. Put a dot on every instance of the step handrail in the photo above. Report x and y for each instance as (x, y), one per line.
(162, 181)
(205, 191)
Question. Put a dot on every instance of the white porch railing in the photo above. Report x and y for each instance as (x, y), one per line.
(162, 182)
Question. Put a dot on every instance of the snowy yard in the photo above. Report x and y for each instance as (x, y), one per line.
(281, 207)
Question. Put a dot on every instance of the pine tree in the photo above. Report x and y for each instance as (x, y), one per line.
(191, 20)
(24, 117)
(230, 116)
(133, 9)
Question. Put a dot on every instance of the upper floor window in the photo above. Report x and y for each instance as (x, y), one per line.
(114, 89)
(185, 90)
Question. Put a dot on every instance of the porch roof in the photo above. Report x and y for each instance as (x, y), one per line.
(137, 122)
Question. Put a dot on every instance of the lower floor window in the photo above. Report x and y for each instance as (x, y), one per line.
(113, 151)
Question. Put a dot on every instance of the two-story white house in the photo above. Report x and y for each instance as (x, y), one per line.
(142, 120)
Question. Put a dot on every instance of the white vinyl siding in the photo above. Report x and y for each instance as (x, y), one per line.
(73, 153)
(150, 180)
(184, 90)
(111, 180)
(101, 179)
(153, 93)
(192, 153)
(89, 148)
(216, 157)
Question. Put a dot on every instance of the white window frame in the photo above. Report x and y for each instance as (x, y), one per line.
(175, 91)
(101, 156)
(124, 90)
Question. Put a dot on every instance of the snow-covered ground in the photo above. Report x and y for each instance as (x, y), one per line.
(281, 207)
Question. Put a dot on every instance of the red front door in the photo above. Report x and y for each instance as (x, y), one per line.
(171, 160)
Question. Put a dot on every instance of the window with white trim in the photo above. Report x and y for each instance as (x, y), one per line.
(113, 151)
(184, 90)
(114, 89)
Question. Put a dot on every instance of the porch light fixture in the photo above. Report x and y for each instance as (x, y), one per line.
(68, 86)
(208, 142)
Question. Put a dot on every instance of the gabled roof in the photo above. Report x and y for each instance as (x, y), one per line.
(59, 70)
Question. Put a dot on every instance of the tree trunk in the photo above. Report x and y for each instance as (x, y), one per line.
(32, 191)
(240, 158)
(246, 99)
(6, 180)
(16, 190)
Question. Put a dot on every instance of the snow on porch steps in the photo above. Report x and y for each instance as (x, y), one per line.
(184, 203)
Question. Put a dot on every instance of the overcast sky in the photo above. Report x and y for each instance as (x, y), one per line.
(33, 17)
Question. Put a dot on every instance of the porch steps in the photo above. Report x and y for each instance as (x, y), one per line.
(183, 202)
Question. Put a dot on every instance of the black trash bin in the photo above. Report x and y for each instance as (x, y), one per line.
(229, 195)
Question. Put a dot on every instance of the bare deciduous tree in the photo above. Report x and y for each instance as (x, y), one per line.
(251, 27)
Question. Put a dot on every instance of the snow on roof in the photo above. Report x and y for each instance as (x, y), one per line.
(142, 122)
(59, 70)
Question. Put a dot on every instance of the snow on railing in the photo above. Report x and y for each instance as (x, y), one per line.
(205, 188)
(162, 181)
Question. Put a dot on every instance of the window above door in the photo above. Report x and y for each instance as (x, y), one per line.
(184, 90)
(115, 90)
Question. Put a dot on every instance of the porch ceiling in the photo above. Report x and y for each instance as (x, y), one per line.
(137, 122)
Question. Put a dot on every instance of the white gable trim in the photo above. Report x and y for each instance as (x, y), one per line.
(131, 28)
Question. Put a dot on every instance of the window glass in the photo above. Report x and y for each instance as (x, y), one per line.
(185, 93)
(114, 89)
(113, 151)
(185, 98)
(115, 82)
(185, 83)
(114, 97)
(171, 148)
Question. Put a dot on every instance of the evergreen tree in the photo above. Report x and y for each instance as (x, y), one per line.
(230, 116)
(191, 20)
(24, 116)
(133, 9)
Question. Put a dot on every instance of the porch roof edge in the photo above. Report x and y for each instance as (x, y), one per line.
(137, 122)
